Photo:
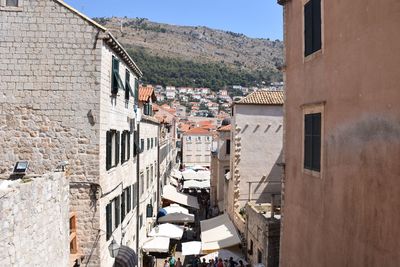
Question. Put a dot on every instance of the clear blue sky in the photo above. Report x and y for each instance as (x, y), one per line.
(254, 18)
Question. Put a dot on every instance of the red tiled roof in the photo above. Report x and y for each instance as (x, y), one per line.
(263, 98)
(145, 93)
(198, 130)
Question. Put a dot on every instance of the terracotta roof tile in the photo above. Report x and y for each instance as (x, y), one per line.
(263, 98)
(145, 93)
(198, 130)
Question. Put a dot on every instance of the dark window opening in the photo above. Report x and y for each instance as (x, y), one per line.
(127, 85)
(312, 27)
(117, 207)
(108, 221)
(228, 147)
(112, 148)
(116, 82)
(12, 3)
(312, 141)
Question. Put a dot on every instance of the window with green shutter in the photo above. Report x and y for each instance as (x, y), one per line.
(117, 144)
(123, 207)
(128, 89)
(136, 92)
(117, 214)
(112, 149)
(128, 199)
(116, 82)
(108, 221)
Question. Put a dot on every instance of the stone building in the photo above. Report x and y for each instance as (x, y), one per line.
(220, 164)
(34, 216)
(196, 147)
(342, 133)
(67, 94)
(257, 149)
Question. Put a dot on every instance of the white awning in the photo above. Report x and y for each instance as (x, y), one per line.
(200, 175)
(218, 232)
(175, 208)
(177, 218)
(224, 254)
(170, 193)
(176, 174)
(191, 248)
(196, 184)
(167, 230)
(156, 244)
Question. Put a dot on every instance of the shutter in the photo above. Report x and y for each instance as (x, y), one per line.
(117, 212)
(127, 87)
(114, 73)
(316, 22)
(308, 29)
(123, 205)
(128, 135)
(108, 221)
(136, 91)
(316, 142)
(308, 141)
(123, 147)
(135, 144)
(108, 150)
(128, 199)
(117, 144)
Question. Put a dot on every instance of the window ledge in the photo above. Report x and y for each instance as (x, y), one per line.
(315, 174)
(11, 8)
(313, 55)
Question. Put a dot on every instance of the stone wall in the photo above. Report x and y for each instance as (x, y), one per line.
(34, 216)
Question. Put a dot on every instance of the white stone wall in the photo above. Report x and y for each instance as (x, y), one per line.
(256, 150)
(148, 158)
(55, 72)
(195, 151)
(115, 114)
(34, 222)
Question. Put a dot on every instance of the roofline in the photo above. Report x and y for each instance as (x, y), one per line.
(258, 104)
(110, 39)
(186, 133)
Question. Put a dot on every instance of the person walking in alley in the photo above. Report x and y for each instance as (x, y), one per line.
(241, 263)
(172, 261)
(166, 264)
(232, 263)
(220, 263)
(178, 263)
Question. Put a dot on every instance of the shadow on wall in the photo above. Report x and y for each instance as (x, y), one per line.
(273, 180)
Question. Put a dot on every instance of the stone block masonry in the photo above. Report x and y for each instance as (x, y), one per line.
(34, 216)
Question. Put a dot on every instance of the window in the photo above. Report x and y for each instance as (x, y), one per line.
(188, 138)
(152, 142)
(312, 141)
(151, 173)
(141, 183)
(140, 220)
(147, 177)
(134, 195)
(116, 82)
(112, 149)
(73, 244)
(135, 143)
(251, 248)
(13, 3)
(141, 145)
(228, 147)
(123, 206)
(312, 27)
(148, 143)
(125, 146)
(259, 256)
(128, 194)
(117, 206)
(198, 138)
(136, 92)
(127, 85)
(108, 221)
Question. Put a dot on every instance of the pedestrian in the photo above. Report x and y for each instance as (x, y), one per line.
(166, 264)
(220, 263)
(172, 261)
(204, 263)
(232, 263)
(226, 262)
(178, 263)
(195, 263)
(241, 263)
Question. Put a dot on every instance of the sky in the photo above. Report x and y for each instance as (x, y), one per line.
(254, 18)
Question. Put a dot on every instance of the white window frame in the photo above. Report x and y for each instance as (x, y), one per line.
(4, 7)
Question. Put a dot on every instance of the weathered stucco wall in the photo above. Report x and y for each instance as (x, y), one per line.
(347, 216)
(34, 216)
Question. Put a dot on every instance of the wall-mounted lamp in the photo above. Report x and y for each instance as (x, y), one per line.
(21, 167)
(113, 248)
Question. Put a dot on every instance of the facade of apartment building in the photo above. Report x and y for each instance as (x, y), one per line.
(220, 165)
(342, 133)
(170, 92)
(196, 147)
(148, 176)
(256, 151)
(67, 88)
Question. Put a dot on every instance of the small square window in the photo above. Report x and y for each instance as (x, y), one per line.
(12, 3)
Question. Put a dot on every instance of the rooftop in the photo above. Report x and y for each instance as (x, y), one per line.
(198, 130)
(145, 93)
(263, 98)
